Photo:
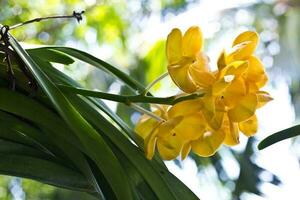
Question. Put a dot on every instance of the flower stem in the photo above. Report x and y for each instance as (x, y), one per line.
(147, 112)
(126, 99)
(154, 82)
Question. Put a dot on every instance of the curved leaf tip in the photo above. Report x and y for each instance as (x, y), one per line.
(279, 136)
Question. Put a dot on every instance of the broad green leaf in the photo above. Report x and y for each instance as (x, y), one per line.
(279, 136)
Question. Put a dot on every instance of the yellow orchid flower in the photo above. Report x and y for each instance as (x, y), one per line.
(232, 95)
(230, 105)
(184, 55)
(242, 118)
(147, 127)
(171, 135)
(207, 140)
(242, 49)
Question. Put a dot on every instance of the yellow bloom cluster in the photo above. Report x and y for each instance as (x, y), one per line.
(232, 95)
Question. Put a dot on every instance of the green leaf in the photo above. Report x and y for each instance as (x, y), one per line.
(176, 185)
(29, 109)
(28, 134)
(279, 136)
(50, 55)
(9, 147)
(158, 169)
(44, 171)
(156, 61)
(140, 187)
(85, 57)
(92, 142)
(35, 112)
(158, 177)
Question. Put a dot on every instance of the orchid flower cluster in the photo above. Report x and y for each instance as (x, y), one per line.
(231, 96)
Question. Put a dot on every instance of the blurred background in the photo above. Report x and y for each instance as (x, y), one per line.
(131, 35)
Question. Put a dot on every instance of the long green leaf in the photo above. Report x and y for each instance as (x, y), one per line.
(29, 134)
(10, 147)
(154, 177)
(44, 171)
(33, 111)
(279, 136)
(90, 139)
(85, 57)
(51, 55)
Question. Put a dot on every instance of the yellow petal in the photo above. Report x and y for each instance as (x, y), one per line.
(234, 68)
(167, 152)
(243, 46)
(181, 77)
(256, 72)
(185, 150)
(209, 107)
(150, 143)
(213, 111)
(170, 147)
(146, 124)
(244, 109)
(221, 61)
(164, 136)
(232, 138)
(201, 62)
(203, 79)
(219, 86)
(166, 128)
(249, 127)
(208, 102)
(191, 127)
(209, 143)
(174, 46)
(250, 36)
(263, 98)
(192, 41)
(216, 121)
(231, 132)
(185, 108)
(251, 87)
(234, 92)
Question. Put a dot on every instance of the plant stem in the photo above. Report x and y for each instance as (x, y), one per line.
(76, 15)
(126, 99)
(147, 112)
(154, 82)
